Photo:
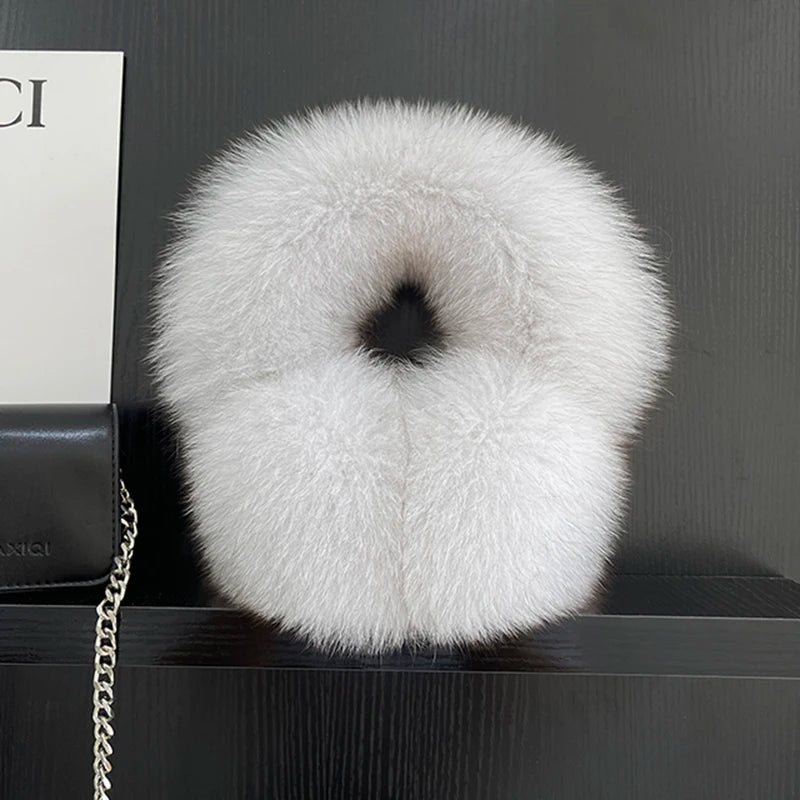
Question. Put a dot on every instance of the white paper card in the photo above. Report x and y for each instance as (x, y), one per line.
(59, 165)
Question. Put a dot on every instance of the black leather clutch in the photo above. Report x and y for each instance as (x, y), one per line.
(59, 495)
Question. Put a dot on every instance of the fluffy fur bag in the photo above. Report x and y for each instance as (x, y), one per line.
(463, 486)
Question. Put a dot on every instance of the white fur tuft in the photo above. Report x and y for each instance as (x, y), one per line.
(364, 504)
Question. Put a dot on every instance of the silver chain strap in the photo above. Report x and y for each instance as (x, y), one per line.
(105, 647)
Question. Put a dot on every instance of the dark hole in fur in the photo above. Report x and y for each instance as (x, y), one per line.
(404, 329)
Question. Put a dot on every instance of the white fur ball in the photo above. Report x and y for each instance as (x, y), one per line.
(364, 502)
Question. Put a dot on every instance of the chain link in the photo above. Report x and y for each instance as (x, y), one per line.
(105, 647)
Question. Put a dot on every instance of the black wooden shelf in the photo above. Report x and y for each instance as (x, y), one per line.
(679, 626)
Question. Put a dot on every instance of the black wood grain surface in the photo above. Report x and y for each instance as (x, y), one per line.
(724, 627)
(257, 734)
(590, 645)
(692, 108)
